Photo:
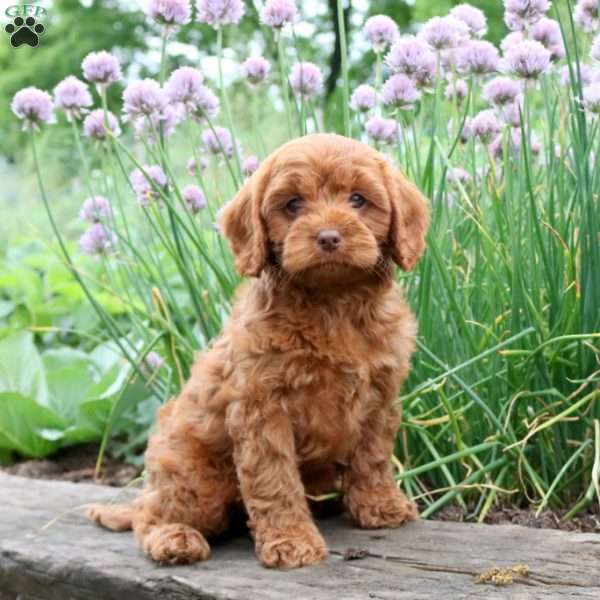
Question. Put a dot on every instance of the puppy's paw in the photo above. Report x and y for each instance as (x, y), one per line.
(379, 508)
(175, 543)
(291, 547)
(117, 517)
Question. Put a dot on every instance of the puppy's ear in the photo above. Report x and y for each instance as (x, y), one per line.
(241, 223)
(410, 220)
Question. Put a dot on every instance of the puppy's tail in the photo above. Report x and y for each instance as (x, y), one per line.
(116, 517)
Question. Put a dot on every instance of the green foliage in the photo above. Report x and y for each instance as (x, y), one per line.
(62, 396)
(504, 389)
(38, 292)
(72, 31)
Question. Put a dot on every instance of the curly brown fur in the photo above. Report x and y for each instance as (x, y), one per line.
(297, 395)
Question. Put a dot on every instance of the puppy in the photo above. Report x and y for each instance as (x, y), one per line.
(297, 396)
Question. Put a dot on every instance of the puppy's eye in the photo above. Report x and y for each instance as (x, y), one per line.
(293, 205)
(357, 201)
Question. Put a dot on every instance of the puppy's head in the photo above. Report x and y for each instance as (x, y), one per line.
(325, 209)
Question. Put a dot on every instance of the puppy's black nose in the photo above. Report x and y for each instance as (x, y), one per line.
(329, 240)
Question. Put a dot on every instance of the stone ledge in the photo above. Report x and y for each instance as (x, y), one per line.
(49, 551)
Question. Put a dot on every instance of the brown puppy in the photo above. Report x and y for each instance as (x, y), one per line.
(297, 394)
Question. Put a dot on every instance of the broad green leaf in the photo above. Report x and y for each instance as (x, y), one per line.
(22, 283)
(5, 457)
(96, 410)
(70, 375)
(21, 368)
(6, 308)
(93, 417)
(20, 318)
(57, 276)
(84, 317)
(111, 303)
(27, 427)
(106, 356)
(82, 389)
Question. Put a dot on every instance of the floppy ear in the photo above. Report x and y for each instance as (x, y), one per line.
(241, 223)
(410, 220)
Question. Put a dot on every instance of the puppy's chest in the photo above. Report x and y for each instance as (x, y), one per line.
(326, 381)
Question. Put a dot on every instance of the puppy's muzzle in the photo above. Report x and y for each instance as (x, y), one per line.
(329, 240)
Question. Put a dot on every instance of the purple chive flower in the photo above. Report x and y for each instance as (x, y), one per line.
(93, 124)
(169, 12)
(466, 131)
(101, 68)
(184, 87)
(442, 33)
(381, 31)
(547, 32)
(457, 90)
(588, 74)
(250, 165)
(511, 113)
(256, 69)
(595, 50)
(218, 141)
(148, 127)
(194, 198)
(472, 17)
(153, 361)
(208, 105)
(364, 98)
(413, 57)
(485, 125)
(94, 209)
(194, 168)
(96, 240)
(217, 13)
(528, 59)
(458, 175)
(501, 91)
(496, 147)
(143, 187)
(587, 14)
(477, 57)
(382, 130)
(72, 96)
(34, 106)
(536, 145)
(399, 91)
(448, 57)
(306, 79)
(520, 15)
(143, 98)
(591, 97)
(278, 13)
(512, 39)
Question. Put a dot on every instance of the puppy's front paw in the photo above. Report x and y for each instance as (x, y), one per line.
(291, 547)
(176, 544)
(381, 508)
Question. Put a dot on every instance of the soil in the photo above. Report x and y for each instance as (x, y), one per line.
(78, 464)
(585, 522)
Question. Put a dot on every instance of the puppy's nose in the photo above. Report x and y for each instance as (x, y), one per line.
(329, 240)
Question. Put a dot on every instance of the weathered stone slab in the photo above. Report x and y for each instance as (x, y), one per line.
(49, 551)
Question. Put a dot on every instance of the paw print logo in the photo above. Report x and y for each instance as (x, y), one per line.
(24, 31)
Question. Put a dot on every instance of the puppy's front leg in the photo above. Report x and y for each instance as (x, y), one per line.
(370, 491)
(284, 532)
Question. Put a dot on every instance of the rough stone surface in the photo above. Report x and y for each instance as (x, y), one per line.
(49, 551)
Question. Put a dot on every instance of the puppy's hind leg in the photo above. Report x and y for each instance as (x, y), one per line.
(116, 517)
(189, 494)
